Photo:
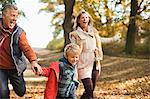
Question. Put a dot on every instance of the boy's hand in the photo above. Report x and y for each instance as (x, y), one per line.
(76, 84)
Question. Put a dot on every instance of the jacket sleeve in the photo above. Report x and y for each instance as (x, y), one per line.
(46, 71)
(26, 48)
(51, 86)
(99, 52)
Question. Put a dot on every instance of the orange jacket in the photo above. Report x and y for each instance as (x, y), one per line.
(52, 84)
(6, 61)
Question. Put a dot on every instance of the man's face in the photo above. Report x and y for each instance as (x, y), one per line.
(72, 58)
(10, 18)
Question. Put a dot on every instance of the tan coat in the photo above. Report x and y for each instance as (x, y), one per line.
(90, 45)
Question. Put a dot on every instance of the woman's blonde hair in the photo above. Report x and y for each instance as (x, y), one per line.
(76, 22)
(71, 47)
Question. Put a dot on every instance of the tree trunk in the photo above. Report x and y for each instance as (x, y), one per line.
(130, 39)
(68, 23)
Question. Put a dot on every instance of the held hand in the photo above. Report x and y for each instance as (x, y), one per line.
(98, 55)
(36, 68)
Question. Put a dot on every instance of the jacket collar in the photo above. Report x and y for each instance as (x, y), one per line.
(65, 61)
(83, 35)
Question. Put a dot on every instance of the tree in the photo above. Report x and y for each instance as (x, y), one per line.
(130, 39)
(132, 28)
(66, 16)
(68, 23)
(109, 16)
(3, 2)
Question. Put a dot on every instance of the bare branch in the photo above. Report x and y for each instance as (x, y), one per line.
(140, 4)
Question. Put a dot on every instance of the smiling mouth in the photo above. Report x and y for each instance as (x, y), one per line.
(12, 23)
(84, 22)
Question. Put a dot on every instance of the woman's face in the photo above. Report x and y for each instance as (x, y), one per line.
(84, 20)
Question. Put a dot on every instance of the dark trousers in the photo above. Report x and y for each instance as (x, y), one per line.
(89, 84)
(72, 96)
(17, 82)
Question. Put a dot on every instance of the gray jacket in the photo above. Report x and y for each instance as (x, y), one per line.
(17, 54)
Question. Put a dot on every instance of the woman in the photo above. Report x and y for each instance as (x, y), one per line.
(86, 36)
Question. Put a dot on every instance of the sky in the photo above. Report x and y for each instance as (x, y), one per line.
(35, 24)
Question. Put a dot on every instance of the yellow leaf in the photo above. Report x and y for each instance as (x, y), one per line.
(96, 1)
(90, 2)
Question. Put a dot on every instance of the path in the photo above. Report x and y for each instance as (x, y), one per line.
(121, 78)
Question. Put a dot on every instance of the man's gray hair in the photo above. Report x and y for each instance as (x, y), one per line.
(9, 6)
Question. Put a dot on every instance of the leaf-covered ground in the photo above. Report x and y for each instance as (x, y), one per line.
(121, 78)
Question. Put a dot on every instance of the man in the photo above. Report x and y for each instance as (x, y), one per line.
(13, 47)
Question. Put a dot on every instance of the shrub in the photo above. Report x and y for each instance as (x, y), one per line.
(56, 44)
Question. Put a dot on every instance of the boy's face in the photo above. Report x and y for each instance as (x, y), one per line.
(72, 58)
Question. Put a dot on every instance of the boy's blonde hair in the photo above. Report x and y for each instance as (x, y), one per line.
(71, 47)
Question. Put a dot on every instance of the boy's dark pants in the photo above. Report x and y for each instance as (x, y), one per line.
(17, 82)
(89, 84)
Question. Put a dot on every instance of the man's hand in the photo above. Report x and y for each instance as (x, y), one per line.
(36, 68)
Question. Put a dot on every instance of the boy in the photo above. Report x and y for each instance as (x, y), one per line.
(61, 75)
